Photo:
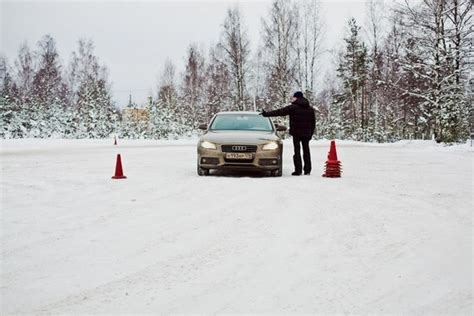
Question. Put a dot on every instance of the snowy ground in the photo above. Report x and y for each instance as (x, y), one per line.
(393, 235)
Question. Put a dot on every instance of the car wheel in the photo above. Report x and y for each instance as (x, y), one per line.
(202, 171)
(278, 172)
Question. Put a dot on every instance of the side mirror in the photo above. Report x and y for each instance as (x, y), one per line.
(203, 127)
(280, 128)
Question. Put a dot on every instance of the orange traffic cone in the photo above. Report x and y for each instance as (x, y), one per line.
(333, 166)
(118, 169)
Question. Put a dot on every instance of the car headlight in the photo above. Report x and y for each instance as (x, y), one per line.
(208, 145)
(270, 146)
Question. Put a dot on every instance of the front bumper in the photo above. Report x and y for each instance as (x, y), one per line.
(261, 159)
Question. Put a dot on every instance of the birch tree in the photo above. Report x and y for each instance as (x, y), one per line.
(218, 88)
(279, 40)
(440, 28)
(308, 45)
(193, 85)
(236, 45)
(167, 92)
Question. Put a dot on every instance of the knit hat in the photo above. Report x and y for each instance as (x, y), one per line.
(298, 94)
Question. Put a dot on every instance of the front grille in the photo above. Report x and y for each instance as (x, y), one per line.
(239, 148)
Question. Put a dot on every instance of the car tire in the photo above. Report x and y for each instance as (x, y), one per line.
(202, 171)
(278, 172)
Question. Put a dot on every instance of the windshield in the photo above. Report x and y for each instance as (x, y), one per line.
(241, 122)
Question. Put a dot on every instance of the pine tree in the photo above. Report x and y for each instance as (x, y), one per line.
(95, 115)
(165, 118)
(25, 71)
(161, 119)
(47, 84)
(21, 96)
(10, 126)
(334, 127)
(353, 71)
(47, 79)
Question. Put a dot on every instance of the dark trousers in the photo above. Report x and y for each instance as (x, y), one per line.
(306, 154)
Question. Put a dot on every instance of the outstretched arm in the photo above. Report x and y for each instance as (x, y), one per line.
(280, 112)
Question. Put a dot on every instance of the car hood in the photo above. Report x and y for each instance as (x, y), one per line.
(239, 137)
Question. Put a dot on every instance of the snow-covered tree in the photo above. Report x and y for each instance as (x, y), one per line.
(94, 113)
(440, 30)
(167, 91)
(193, 87)
(236, 46)
(165, 116)
(10, 112)
(46, 104)
(308, 45)
(375, 18)
(353, 71)
(25, 72)
(218, 88)
(47, 79)
(328, 111)
(279, 37)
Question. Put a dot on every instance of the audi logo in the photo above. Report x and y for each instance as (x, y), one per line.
(239, 148)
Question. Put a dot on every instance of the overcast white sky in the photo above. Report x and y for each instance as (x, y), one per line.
(135, 38)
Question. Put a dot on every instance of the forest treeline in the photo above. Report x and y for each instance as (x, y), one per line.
(401, 74)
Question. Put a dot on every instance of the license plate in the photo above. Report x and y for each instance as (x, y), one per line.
(239, 156)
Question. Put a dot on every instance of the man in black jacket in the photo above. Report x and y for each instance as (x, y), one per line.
(302, 124)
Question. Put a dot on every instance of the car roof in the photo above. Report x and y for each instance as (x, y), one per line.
(237, 112)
